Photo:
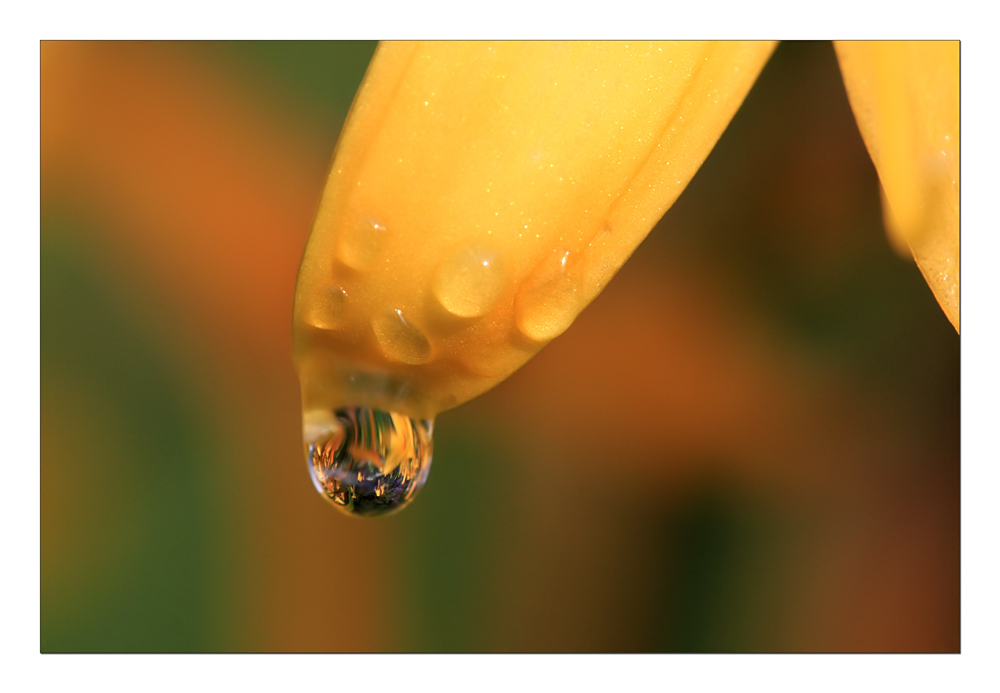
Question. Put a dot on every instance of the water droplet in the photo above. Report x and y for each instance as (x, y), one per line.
(495, 359)
(400, 339)
(470, 281)
(551, 297)
(361, 242)
(328, 308)
(367, 461)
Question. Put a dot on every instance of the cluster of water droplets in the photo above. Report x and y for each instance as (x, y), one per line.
(371, 462)
(367, 461)
(467, 284)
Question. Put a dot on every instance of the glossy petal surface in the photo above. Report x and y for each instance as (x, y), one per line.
(549, 161)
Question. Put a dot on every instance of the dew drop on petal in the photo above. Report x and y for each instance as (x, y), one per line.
(328, 308)
(367, 461)
(551, 297)
(470, 281)
(494, 360)
(361, 243)
(399, 339)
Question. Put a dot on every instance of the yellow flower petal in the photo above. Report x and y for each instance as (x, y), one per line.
(905, 98)
(483, 194)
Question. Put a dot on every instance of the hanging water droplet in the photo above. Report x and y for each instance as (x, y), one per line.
(361, 242)
(400, 339)
(551, 297)
(367, 461)
(470, 281)
(328, 308)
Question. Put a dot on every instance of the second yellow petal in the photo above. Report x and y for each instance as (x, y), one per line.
(905, 96)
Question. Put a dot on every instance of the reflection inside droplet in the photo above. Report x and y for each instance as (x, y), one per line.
(367, 461)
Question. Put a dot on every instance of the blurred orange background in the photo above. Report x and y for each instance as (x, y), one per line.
(749, 442)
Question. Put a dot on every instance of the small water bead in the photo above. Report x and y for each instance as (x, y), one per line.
(328, 308)
(470, 281)
(492, 360)
(400, 339)
(361, 243)
(367, 461)
(551, 297)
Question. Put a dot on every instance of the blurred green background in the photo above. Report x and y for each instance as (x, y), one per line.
(749, 442)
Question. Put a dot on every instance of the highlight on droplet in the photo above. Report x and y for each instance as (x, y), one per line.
(470, 281)
(367, 461)
(399, 339)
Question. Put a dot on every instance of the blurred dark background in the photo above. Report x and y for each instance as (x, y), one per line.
(749, 442)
